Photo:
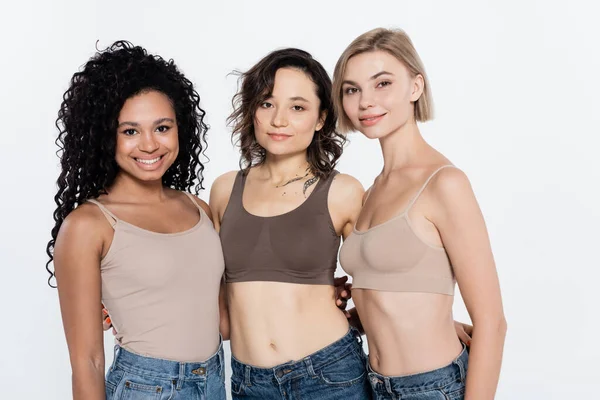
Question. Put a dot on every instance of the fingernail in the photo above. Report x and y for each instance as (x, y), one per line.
(104, 312)
(108, 320)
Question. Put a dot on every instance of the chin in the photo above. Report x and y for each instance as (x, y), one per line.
(280, 150)
(149, 177)
(374, 133)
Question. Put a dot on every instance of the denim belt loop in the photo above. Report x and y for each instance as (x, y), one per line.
(388, 385)
(115, 354)
(461, 367)
(247, 376)
(181, 377)
(221, 362)
(309, 367)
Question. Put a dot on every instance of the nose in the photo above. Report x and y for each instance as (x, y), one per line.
(279, 118)
(148, 142)
(366, 100)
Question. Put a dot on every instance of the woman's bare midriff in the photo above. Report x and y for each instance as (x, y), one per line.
(407, 333)
(272, 323)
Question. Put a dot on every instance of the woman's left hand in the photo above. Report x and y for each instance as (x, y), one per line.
(343, 293)
(464, 332)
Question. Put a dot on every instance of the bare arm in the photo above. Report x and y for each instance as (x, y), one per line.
(464, 234)
(219, 197)
(77, 257)
(345, 201)
(223, 310)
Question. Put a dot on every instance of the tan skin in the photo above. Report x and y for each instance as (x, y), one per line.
(414, 332)
(272, 322)
(147, 130)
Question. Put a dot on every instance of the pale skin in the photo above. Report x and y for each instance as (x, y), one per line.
(272, 322)
(147, 130)
(414, 332)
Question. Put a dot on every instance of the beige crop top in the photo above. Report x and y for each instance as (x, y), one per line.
(392, 257)
(162, 289)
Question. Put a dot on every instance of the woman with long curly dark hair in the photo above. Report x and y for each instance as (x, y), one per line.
(129, 235)
(280, 219)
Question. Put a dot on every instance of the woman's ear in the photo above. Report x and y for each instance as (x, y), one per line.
(321, 122)
(417, 88)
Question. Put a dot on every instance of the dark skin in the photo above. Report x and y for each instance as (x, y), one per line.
(147, 131)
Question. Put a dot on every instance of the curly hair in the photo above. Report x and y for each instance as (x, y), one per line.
(257, 85)
(87, 124)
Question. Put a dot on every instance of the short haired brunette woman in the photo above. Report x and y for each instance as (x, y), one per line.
(128, 233)
(280, 219)
(420, 231)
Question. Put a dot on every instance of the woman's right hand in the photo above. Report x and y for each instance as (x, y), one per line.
(107, 323)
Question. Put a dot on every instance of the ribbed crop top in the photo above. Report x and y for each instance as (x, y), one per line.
(162, 289)
(299, 246)
(392, 257)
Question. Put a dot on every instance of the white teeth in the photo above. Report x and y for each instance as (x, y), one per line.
(147, 162)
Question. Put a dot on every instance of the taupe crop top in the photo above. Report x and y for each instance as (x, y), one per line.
(300, 246)
(392, 257)
(162, 289)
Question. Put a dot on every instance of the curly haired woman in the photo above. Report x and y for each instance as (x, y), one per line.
(128, 233)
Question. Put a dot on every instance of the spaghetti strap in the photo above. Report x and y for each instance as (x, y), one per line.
(112, 219)
(194, 201)
(416, 196)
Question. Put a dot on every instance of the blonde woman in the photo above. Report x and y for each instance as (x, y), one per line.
(420, 231)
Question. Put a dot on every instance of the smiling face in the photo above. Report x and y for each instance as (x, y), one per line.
(378, 93)
(286, 121)
(147, 136)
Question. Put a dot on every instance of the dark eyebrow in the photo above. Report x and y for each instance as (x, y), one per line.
(161, 120)
(377, 75)
(128, 123)
(158, 121)
(295, 98)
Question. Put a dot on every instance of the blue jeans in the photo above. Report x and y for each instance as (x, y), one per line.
(135, 377)
(337, 371)
(446, 383)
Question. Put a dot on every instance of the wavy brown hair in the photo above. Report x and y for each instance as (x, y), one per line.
(256, 85)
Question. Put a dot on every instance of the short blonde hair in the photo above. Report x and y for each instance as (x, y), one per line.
(395, 42)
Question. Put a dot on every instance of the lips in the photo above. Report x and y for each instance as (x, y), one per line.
(148, 161)
(149, 164)
(278, 136)
(371, 119)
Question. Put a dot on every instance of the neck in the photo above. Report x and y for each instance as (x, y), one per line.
(278, 169)
(128, 189)
(401, 147)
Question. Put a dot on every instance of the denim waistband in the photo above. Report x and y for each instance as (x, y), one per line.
(168, 369)
(456, 370)
(351, 341)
